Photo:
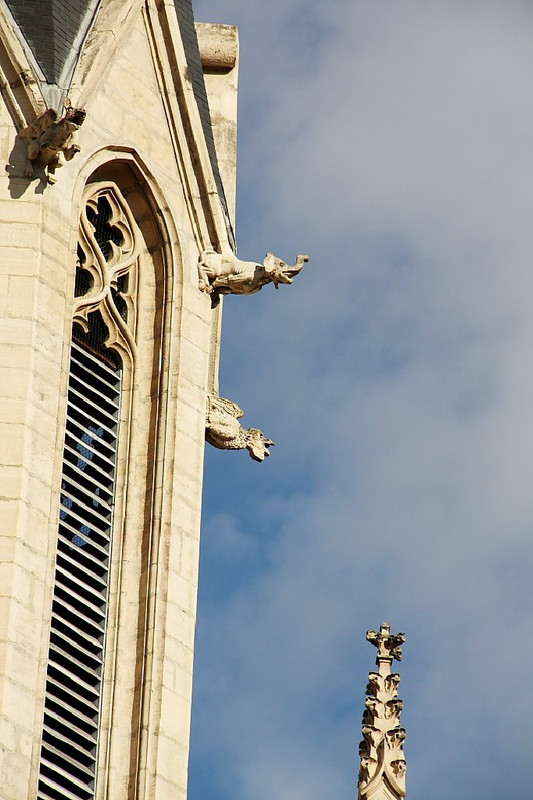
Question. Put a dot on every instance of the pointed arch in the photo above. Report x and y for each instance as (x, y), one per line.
(127, 295)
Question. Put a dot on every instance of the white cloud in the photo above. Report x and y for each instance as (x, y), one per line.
(393, 142)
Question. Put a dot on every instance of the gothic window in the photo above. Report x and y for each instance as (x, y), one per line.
(102, 347)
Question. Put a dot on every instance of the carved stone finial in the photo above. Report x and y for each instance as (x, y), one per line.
(226, 274)
(49, 140)
(223, 429)
(388, 644)
(382, 761)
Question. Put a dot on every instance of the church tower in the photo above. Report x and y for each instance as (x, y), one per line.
(117, 132)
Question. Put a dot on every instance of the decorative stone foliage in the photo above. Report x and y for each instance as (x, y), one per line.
(382, 761)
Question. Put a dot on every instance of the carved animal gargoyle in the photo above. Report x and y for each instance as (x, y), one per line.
(223, 429)
(221, 273)
(49, 140)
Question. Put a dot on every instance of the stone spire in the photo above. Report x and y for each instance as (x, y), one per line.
(382, 761)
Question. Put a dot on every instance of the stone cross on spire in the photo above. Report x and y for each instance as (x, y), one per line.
(382, 762)
(387, 643)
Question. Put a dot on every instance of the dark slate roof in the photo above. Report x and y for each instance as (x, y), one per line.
(192, 53)
(50, 28)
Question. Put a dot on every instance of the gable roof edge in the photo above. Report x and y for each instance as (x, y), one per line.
(19, 85)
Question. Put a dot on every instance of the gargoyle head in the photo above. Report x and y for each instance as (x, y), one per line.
(75, 116)
(257, 444)
(280, 272)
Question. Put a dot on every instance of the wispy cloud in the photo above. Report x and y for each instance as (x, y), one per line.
(392, 141)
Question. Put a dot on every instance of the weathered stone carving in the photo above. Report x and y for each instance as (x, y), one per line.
(382, 761)
(220, 273)
(223, 429)
(49, 140)
(219, 46)
(388, 644)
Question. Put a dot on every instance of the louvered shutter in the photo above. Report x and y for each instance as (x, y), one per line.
(77, 638)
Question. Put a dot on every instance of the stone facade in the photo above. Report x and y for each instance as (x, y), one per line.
(144, 134)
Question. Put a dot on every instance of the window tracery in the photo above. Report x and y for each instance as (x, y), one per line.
(103, 342)
(106, 269)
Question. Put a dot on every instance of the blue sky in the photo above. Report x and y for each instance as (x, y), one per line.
(393, 143)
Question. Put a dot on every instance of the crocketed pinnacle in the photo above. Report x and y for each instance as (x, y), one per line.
(382, 761)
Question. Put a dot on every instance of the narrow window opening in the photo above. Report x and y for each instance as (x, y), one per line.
(106, 256)
(79, 611)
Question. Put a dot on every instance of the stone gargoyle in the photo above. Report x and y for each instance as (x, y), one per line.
(221, 273)
(49, 140)
(223, 429)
